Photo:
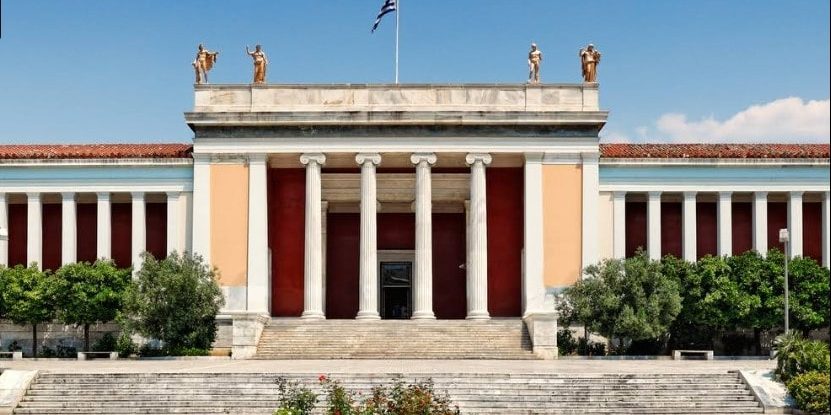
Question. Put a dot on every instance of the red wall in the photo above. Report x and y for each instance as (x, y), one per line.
(156, 229)
(777, 219)
(51, 235)
(449, 281)
(122, 231)
(671, 229)
(87, 233)
(286, 224)
(397, 231)
(635, 227)
(812, 230)
(18, 220)
(742, 227)
(706, 217)
(505, 188)
(342, 264)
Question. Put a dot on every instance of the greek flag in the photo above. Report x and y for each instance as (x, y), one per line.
(387, 7)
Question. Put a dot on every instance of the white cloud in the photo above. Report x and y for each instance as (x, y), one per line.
(783, 120)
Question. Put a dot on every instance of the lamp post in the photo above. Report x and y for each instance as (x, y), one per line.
(784, 237)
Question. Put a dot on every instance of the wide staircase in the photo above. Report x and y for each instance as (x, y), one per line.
(256, 393)
(395, 339)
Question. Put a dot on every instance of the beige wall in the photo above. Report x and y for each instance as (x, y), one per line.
(229, 222)
(562, 223)
(604, 226)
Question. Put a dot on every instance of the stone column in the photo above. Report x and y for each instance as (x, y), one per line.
(477, 250)
(201, 242)
(423, 267)
(313, 266)
(368, 291)
(826, 229)
(4, 230)
(591, 209)
(760, 222)
(69, 229)
(139, 242)
(175, 241)
(533, 280)
(34, 230)
(795, 222)
(619, 225)
(725, 223)
(104, 227)
(259, 287)
(653, 225)
(690, 227)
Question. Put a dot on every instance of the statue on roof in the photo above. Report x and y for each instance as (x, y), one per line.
(203, 63)
(534, 60)
(260, 63)
(589, 59)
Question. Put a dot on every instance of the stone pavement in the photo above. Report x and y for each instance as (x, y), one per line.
(562, 366)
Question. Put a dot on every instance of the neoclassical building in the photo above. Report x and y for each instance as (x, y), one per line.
(405, 201)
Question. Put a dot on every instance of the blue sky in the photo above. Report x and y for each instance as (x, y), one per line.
(115, 71)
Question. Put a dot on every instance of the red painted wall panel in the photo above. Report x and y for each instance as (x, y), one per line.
(706, 217)
(18, 223)
(777, 219)
(286, 224)
(121, 216)
(812, 230)
(671, 229)
(342, 264)
(51, 235)
(505, 191)
(449, 285)
(742, 227)
(156, 229)
(396, 231)
(86, 215)
(635, 227)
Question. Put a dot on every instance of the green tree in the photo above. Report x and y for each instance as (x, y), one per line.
(29, 295)
(90, 293)
(761, 285)
(688, 331)
(809, 292)
(174, 300)
(625, 300)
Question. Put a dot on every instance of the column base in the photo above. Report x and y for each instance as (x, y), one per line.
(368, 315)
(423, 315)
(478, 315)
(313, 315)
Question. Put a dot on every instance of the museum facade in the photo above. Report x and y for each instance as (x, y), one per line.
(405, 201)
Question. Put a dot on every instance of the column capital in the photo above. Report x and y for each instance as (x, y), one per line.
(68, 196)
(103, 196)
(33, 195)
(654, 194)
(690, 195)
(257, 157)
(760, 195)
(534, 157)
(318, 158)
(621, 194)
(472, 158)
(797, 193)
(137, 195)
(725, 194)
(590, 157)
(173, 195)
(363, 158)
(417, 158)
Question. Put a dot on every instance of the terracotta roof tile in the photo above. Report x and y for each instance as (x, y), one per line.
(94, 151)
(715, 151)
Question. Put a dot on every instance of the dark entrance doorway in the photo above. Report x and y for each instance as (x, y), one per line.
(396, 289)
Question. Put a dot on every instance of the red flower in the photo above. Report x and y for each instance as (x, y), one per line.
(321, 378)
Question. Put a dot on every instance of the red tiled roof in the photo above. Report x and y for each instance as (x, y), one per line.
(94, 151)
(715, 151)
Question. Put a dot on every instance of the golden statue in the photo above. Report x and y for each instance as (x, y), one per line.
(260, 63)
(589, 58)
(534, 59)
(203, 63)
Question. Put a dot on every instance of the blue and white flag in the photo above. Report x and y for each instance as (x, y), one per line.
(387, 7)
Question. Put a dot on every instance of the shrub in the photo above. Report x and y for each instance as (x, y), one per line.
(566, 343)
(125, 346)
(339, 401)
(106, 343)
(90, 293)
(590, 348)
(29, 297)
(418, 398)
(174, 300)
(810, 390)
(294, 398)
(795, 355)
(809, 302)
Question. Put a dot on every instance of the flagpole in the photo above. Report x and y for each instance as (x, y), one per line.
(397, 13)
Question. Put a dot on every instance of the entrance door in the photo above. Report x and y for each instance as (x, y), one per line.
(396, 289)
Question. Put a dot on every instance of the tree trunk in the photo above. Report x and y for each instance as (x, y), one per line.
(35, 340)
(86, 337)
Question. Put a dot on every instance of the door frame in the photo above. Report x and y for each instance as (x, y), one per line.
(393, 255)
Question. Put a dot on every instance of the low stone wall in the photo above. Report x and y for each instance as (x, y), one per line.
(51, 335)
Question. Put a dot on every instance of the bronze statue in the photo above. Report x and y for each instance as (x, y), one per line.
(260, 63)
(589, 58)
(534, 59)
(203, 63)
